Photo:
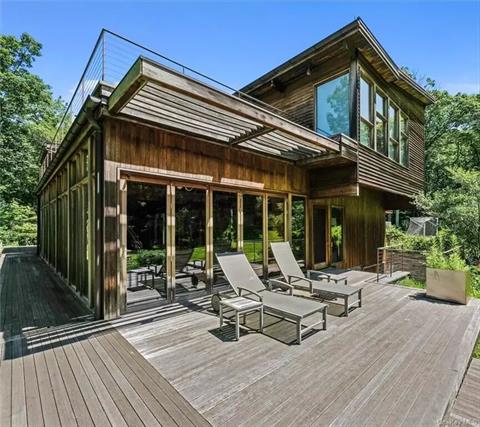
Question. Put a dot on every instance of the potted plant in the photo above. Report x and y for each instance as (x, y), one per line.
(448, 276)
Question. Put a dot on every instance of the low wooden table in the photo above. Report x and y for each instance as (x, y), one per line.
(240, 305)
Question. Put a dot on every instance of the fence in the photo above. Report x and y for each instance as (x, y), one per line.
(391, 259)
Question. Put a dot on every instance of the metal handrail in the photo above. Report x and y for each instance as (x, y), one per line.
(111, 57)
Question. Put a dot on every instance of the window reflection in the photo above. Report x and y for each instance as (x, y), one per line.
(298, 229)
(252, 230)
(224, 222)
(276, 224)
(333, 106)
(336, 234)
(190, 250)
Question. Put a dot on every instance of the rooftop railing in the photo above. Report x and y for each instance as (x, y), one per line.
(110, 60)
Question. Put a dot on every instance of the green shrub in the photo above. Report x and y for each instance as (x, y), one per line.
(396, 237)
(145, 258)
(412, 283)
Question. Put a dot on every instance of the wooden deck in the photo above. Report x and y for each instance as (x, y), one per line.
(466, 409)
(58, 367)
(399, 360)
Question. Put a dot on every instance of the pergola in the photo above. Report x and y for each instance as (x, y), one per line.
(156, 94)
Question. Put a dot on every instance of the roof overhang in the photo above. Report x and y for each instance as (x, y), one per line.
(158, 95)
(355, 35)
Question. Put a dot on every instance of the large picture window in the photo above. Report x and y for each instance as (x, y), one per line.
(333, 109)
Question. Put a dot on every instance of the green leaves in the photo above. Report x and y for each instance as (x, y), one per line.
(28, 119)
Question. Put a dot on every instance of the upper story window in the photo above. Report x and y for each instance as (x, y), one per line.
(383, 126)
(333, 106)
(366, 113)
(381, 123)
(403, 140)
(393, 133)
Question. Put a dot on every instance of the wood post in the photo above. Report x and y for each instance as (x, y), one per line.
(170, 285)
(265, 235)
(240, 222)
(209, 238)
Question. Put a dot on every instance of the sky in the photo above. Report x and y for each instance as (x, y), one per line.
(236, 42)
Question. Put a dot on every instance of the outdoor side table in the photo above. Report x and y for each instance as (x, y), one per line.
(241, 305)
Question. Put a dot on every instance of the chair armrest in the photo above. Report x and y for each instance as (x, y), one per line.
(280, 284)
(300, 278)
(248, 291)
(340, 279)
(318, 273)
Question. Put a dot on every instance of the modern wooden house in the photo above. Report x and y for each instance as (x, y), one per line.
(160, 167)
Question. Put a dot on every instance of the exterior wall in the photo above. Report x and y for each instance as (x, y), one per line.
(141, 148)
(65, 213)
(296, 96)
(364, 226)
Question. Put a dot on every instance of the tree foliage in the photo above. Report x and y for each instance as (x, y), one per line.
(28, 118)
(452, 163)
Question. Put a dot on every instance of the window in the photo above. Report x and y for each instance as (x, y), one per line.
(366, 119)
(393, 133)
(403, 140)
(381, 123)
(333, 109)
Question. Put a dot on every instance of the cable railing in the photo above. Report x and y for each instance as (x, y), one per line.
(112, 56)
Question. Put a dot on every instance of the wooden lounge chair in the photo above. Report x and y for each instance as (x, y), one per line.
(245, 282)
(294, 276)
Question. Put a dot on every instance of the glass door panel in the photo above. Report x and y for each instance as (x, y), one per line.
(224, 222)
(298, 229)
(146, 237)
(190, 248)
(276, 227)
(252, 230)
(336, 234)
(319, 237)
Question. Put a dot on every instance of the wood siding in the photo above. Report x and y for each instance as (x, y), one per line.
(152, 150)
(297, 98)
(364, 226)
(66, 213)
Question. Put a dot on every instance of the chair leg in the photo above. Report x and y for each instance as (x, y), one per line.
(221, 316)
(237, 325)
(346, 306)
(324, 318)
(299, 331)
(261, 320)
(359, 297)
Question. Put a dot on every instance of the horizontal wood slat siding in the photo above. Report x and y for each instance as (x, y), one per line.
(297, 98)
(378, 171)
(145, 148)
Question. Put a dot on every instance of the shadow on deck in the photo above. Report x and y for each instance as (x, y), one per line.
(59, 367)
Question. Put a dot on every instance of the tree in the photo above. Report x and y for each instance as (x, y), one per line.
(452, 137)
(28, 119)
(458, 207)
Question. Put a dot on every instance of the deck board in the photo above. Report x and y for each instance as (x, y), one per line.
(376, 367)
(61, 368)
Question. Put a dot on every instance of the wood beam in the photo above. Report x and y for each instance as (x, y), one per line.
(250, 135)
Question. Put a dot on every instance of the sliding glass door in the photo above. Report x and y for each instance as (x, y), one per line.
(190, 238)
(253, 230)
(276, 228)
(224, 222)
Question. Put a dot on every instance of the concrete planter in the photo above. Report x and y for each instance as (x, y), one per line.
(448, 285)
